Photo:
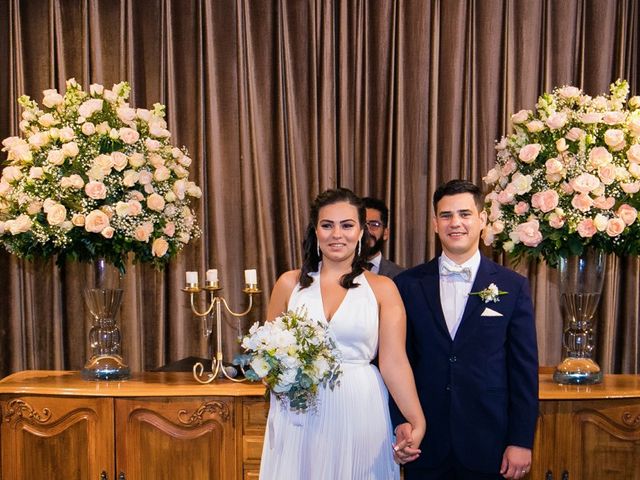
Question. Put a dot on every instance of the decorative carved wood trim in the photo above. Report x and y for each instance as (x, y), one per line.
(631, 421)
(214, 408)
(22, 409)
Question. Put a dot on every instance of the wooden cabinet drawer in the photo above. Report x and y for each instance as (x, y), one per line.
(254, 415)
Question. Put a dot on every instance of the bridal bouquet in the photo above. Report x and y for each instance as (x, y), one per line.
(90, 176)
(293, 355)
(568, 177)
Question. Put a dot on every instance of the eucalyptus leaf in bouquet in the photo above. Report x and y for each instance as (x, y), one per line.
(293, 355)
(92, 177)
(568, 177)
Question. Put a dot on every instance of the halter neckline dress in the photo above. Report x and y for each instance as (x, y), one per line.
(349, 436)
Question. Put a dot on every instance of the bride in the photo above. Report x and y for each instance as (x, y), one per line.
(349, 436)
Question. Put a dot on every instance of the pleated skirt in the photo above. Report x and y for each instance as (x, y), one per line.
(348, 436)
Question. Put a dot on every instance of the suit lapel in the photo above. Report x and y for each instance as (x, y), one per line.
(431, 290)
(473, 308)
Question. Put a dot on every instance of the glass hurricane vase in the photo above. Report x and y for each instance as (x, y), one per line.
(581, 280)
(103, 296)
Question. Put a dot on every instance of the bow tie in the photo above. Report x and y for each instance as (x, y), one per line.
(463, 272)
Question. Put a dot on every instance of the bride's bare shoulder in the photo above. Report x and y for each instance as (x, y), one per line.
(290, 278)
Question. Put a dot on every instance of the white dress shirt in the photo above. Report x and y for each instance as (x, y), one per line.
(455, 289)
(375, 262)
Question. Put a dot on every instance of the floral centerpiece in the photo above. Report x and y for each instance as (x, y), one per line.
(92, 177)
(567, 178)
(293, 355)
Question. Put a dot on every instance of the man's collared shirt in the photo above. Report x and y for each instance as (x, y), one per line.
(455, 289)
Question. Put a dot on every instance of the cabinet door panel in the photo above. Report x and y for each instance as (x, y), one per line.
(38, 434)
(607, 440)
(175, 438)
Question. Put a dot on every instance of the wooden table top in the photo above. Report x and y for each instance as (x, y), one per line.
(143, 384)
(612, 386)
(173, 384)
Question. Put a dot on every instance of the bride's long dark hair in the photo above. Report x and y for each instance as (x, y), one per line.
(311, 259)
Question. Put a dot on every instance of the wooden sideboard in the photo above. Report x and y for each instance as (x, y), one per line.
(589, 432)
(166, 426)
(153, 426)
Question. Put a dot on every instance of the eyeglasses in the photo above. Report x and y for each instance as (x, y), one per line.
(374, 224)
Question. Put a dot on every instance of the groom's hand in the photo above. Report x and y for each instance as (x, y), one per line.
(403, 450)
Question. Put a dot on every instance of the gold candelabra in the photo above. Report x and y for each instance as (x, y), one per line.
(212, 287)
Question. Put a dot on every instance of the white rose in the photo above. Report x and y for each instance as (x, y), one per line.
(260, 366)
(56, 214)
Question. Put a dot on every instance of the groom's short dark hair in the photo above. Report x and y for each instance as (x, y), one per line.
(455, 187)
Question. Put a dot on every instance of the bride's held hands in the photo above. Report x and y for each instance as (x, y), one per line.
(407, 442)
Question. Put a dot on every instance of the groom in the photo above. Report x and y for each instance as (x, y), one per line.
(474, 359)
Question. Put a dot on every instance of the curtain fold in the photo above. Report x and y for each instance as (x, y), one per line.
(278, 100)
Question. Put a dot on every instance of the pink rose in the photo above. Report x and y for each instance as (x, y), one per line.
(607, 173)
(556, 220)
(143, 232)
(135, 207)
(520, 117)
(585, 183)
(554, 166)
(575, 134)
(599, 156)
(96, 190)
(529, 233)
(604, 203)
(528, 153)
(492, 176)
(155, 202)
(55, 157)
(108, 232)
(592, 117)
(586, 228)
(535, 126)
(557, 120)
(615, 227)
(504, 197)
(613, 118)
(88, 128)
(159, 247)
(78, 220)
(521, 208)
(582, 202)
(161, 174)
(509, 167)
(96, 221)
(546, 200)
(569, 92)
(627, 213)
(22, 223)
(169, 229)
(634, 126)
(633, 154)
(128, 135)
(89, 107)
(119, 161)
(614, 138)
(632, 187)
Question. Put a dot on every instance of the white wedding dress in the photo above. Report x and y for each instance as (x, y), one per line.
(349, 437)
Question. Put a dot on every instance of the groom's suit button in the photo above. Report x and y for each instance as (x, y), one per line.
(453, 359)
(447, 388)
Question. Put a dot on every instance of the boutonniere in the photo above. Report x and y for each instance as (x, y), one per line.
(490, 294)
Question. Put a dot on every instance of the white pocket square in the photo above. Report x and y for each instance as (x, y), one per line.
(487, 312)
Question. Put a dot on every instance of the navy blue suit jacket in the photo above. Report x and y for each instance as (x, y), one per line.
(479, 392)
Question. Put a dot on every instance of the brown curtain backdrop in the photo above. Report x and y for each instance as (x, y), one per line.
(278, 100)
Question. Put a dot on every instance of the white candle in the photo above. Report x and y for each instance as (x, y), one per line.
(212, 275)
(250, 277)
(192, 278)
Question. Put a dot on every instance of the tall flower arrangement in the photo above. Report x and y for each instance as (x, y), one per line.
(90, 176)
(568, 177)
